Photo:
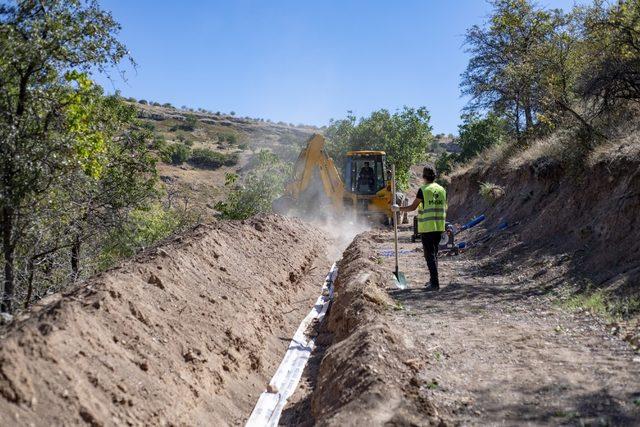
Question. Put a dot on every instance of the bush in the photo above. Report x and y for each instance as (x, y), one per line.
(444, 163)
(209, 159)
(159, 143)
(491, 192)
(176, 154)
(167, 105)
(229, 138)
(190, 122)
(233, 113)
(257, 190)
(143, 102)
(148, 126)
(143, 228)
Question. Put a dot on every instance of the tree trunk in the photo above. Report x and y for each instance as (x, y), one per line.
(528, 117)
(75, 258)
(30, 268)
(8, 249)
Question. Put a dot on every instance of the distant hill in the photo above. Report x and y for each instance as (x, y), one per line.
(235, 138)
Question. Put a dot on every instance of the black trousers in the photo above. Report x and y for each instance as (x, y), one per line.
(430, 245)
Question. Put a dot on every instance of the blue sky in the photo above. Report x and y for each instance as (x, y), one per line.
(299, 61)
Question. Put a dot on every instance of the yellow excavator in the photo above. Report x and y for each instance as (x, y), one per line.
(316, 188)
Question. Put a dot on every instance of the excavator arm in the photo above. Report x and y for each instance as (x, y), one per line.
(315, 182)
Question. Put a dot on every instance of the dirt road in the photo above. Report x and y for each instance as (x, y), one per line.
(500, 352)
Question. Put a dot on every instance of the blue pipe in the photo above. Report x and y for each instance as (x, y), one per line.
(477, 220)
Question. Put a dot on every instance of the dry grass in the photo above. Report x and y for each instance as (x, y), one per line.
(491, 192)
(627, 147)
(491, 157)
(552, 147)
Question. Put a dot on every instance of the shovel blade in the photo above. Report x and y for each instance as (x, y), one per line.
(400, 280)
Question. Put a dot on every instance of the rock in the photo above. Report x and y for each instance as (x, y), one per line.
(5, 318)
(272, 389)
(414, 364)
(155, 280)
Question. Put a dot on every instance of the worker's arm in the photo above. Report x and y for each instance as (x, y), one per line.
(412, 207)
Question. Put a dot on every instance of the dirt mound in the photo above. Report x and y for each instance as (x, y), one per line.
(187, 333)
(368, 373)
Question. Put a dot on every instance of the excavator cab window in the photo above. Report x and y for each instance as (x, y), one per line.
(365, 174)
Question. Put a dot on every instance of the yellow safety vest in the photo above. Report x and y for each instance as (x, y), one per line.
(432, 212)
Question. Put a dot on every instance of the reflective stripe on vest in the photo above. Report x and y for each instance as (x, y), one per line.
(433, 214)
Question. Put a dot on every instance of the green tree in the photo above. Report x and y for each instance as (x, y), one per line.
(507, 56)
(47, 126)
(477, 134)
(444, 163)
(404, 135)
(612, 37)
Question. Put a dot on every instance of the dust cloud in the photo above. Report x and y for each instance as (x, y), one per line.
(341, 231)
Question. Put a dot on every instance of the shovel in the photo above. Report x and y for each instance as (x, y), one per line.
(398, 277)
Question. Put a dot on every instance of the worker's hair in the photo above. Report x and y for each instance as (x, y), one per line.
(429, 172)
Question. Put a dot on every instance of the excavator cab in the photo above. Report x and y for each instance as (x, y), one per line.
(365, 172)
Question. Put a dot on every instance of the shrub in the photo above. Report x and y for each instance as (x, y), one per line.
(143, 228)
(148, 126)
(143, 102)
(491, 192)
(176, 154)
(209, 159)
(159, 143)
(167, 105)
(230, 138)
(190, 122)
(233, 113)
(257, 190)
(444, 163)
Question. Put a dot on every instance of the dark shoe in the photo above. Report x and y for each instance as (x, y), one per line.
(431, 287)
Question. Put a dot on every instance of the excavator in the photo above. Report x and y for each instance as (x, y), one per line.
(316, 188)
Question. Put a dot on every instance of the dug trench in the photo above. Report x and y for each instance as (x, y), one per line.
(187, 333)
(497, 344)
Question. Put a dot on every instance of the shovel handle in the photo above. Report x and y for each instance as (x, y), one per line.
(395, 223)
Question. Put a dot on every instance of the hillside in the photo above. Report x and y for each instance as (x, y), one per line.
(200, 188)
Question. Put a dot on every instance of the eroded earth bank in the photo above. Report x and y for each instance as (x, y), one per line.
(187, 333)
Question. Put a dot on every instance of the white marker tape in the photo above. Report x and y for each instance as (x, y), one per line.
(285, 381)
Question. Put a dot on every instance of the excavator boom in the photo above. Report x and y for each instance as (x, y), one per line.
(316, 182)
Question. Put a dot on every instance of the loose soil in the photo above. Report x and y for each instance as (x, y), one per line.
(497, 350)
(188, 333)
(490, 348)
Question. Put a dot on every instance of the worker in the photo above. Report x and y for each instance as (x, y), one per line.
(431, 218)
(366, 176)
